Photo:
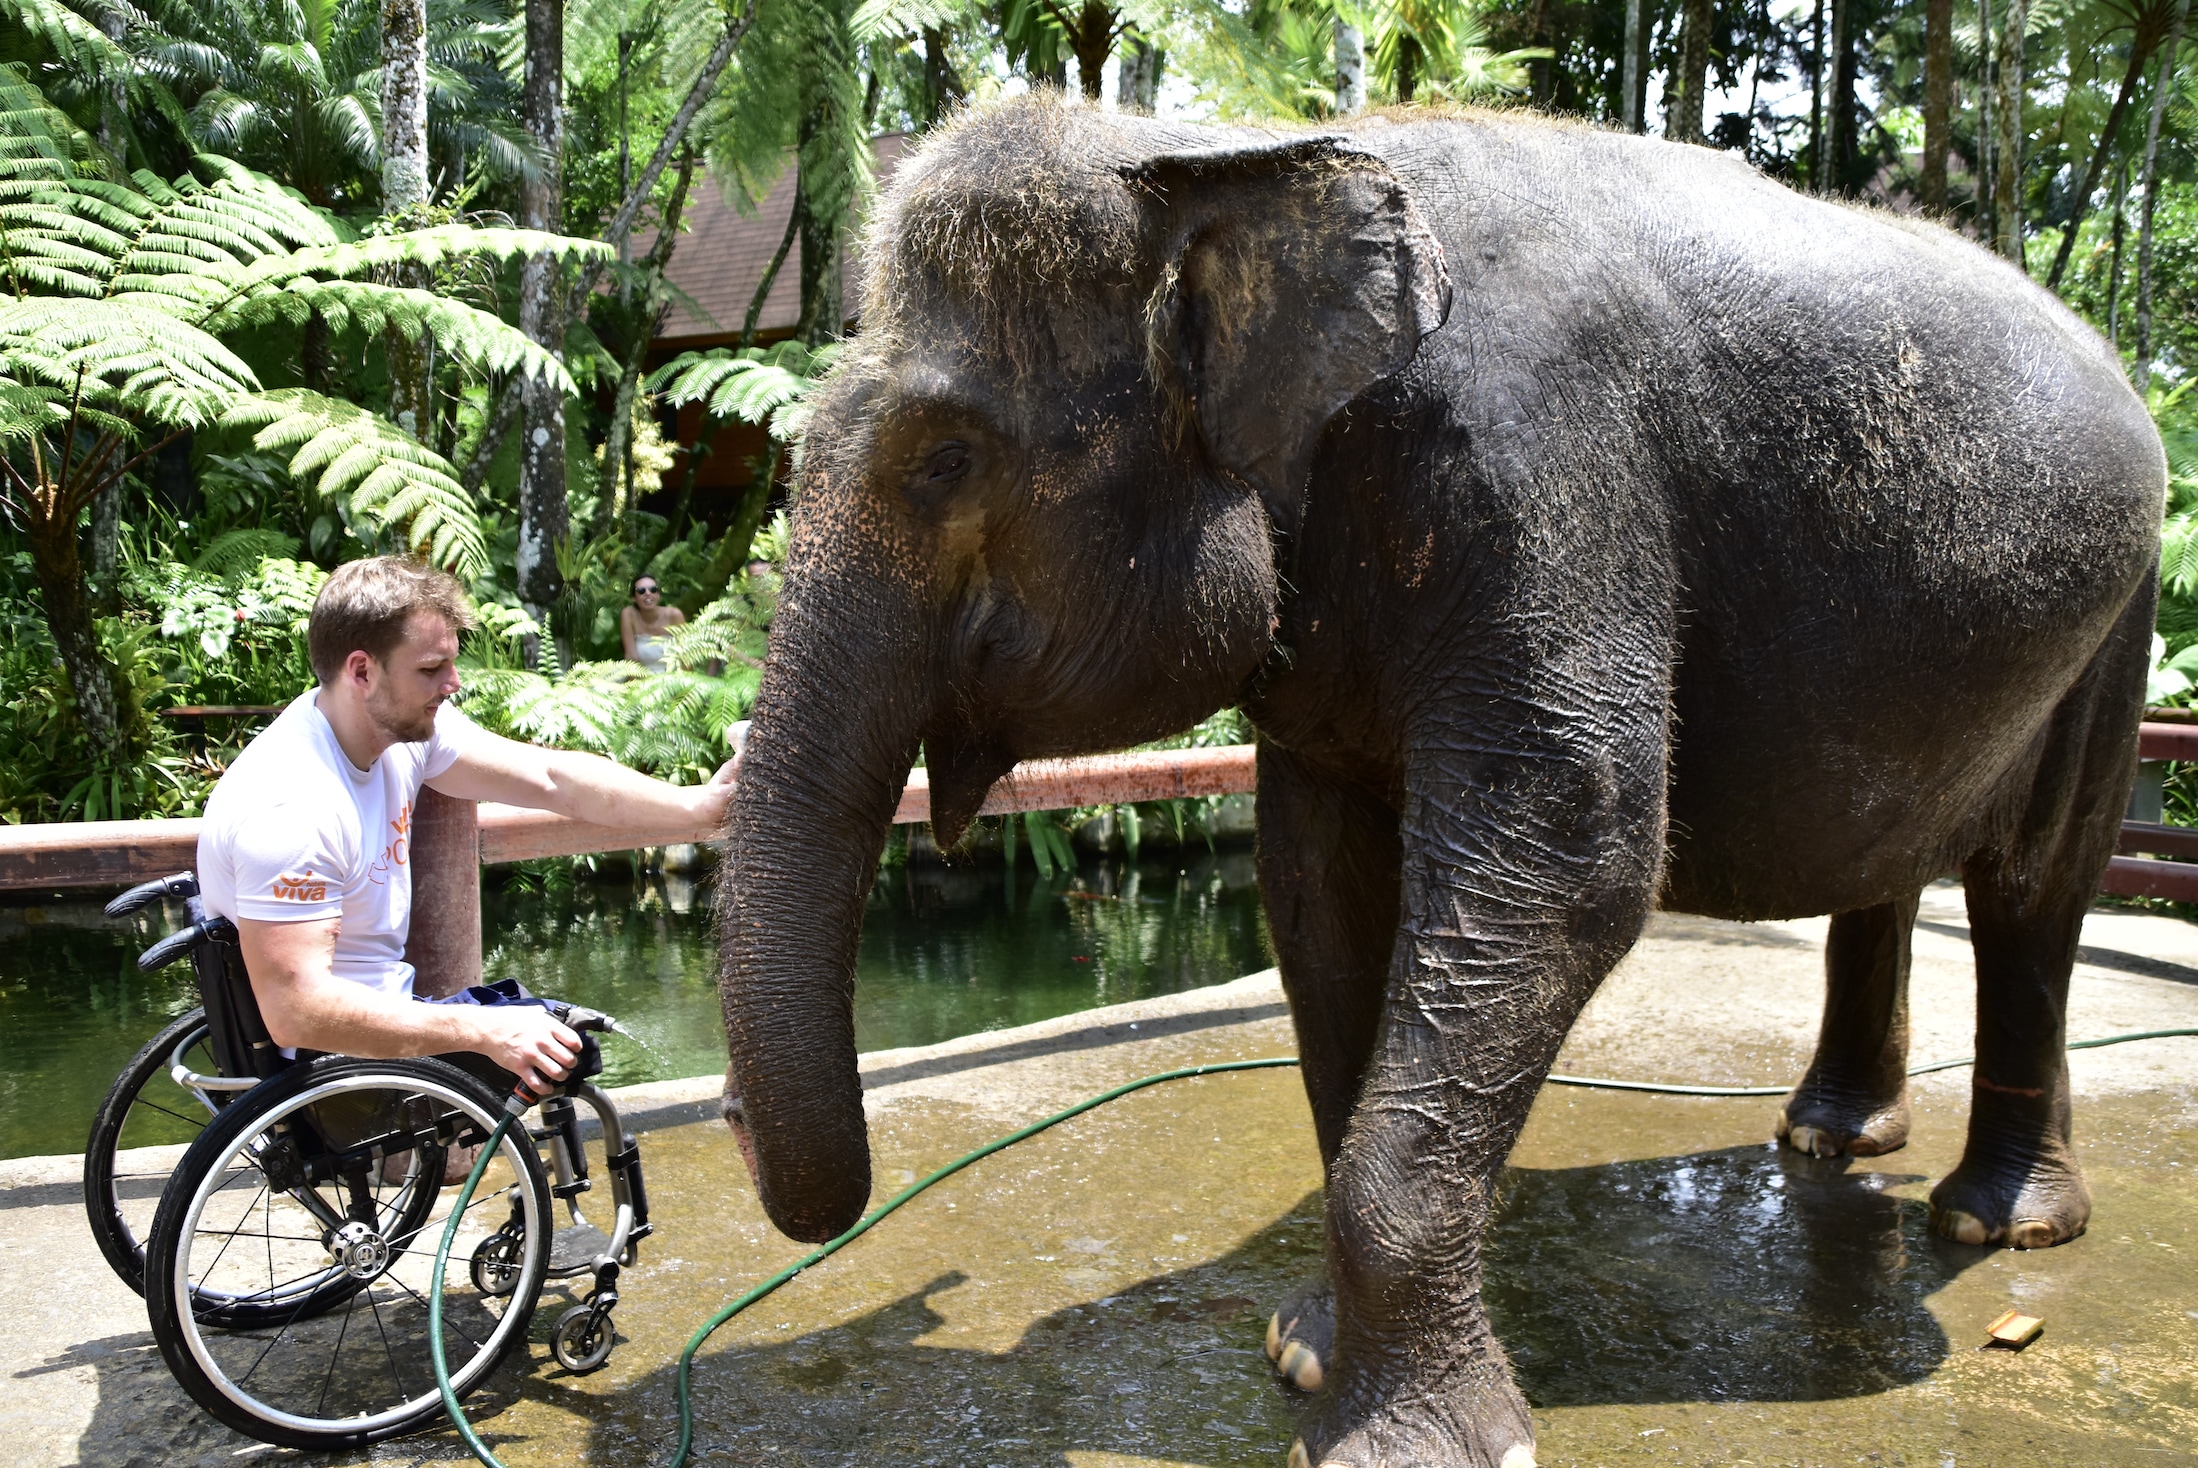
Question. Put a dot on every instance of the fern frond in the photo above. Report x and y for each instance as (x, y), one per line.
(480, 339)
(122, 357)
(428, 248)
(382, 472)
(234, 552)
(763, 386)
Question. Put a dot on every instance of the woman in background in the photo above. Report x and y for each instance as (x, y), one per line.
(644, 624)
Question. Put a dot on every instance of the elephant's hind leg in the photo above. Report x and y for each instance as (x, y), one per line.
(2018, 1183)
(1854, 1098)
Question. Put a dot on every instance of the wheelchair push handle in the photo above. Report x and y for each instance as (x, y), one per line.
(160, 889)
(181, 942)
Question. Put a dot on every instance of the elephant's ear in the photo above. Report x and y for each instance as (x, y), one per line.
(1299, 273)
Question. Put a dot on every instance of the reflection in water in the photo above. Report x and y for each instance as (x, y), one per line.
(1749, 1273)
(945, 952)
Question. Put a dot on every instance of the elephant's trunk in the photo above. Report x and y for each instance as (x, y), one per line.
(826, 758)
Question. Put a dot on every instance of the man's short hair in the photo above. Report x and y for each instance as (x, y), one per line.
(364, 606)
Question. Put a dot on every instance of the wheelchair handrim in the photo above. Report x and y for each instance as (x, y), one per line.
(485, 1356)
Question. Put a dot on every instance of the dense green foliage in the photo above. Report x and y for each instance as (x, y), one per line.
(225, 369)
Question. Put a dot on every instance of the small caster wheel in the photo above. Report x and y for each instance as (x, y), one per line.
(495, 1266)
(582, 1340)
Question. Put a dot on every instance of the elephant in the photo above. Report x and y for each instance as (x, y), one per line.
(1584, 523)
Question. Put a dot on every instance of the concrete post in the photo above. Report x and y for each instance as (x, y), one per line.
(444, 946)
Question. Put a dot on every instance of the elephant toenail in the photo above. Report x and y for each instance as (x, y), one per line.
(1965, 1228)
(1298, 1458)
(1810, 1140)
(1518, 1455)
(1274, 1335)
(2030, 1233)
(1301, 1366)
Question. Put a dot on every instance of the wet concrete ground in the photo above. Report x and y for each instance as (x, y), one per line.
(1673, 1289)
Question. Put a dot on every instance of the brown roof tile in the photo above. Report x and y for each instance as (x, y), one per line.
(722, 256)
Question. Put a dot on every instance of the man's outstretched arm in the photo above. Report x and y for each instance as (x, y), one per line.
(305, 1005)
(586, 787)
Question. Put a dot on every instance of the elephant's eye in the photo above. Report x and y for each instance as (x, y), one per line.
(949, 462)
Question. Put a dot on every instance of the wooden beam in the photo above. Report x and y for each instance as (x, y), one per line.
(117, 853)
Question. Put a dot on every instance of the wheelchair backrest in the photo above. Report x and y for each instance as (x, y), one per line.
(235, 1031)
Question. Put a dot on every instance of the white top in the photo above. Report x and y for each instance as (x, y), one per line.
(649, 649)
(296, 832)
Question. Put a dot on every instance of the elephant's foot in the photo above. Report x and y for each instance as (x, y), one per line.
(1825, 1119)
(1301, 1334)
(1471, 1418)
(2033, 1203)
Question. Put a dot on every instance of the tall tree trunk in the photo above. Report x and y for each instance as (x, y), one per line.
(618, 443)
(830, 128)
(2138, 56)
(93, 684)
(822, 310)
(1408, 68)
(2150, 176)
(1093, 38)
(942, 85)
(1350, 48)
(544, 517)
(2114, 270)
(1938, 101)
(404, 193)
(1818, 173)
(1629, 108)
(1986, 211)
(106, 537)
(1138, 88)
(794, 216)
(1845, 153)
(1683, 109)
(2008, 115)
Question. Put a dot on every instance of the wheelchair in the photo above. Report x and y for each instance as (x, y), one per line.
(280, 1217)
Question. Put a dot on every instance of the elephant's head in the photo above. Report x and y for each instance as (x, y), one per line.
(1038, 516)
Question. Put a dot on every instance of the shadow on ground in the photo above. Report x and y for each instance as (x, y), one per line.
(1736, 1275)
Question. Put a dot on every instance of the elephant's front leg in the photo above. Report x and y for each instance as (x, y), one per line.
(1525, 878)
(1328, 871)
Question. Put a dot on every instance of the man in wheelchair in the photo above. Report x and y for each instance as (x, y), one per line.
(305, 845)
(288, 1265)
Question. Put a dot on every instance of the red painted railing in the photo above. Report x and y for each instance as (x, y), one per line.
(113, 853)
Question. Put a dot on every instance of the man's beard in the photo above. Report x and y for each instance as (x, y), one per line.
(410, 726)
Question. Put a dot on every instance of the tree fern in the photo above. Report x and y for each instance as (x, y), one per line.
(119, 294)
(384, 474)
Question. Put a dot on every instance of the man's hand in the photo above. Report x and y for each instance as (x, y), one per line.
(527, 1042)
(709, 801)
(305, 1004)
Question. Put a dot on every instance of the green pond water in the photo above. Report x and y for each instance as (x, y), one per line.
(946, 951)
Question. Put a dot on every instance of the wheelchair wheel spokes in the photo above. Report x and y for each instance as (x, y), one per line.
(141, 1132)
(306, 1245)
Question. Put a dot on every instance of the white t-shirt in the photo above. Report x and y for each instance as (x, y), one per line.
(295, 832)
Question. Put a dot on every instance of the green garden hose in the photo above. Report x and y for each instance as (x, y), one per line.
(513, 1110)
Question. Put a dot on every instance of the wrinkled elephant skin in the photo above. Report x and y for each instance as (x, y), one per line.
(1585, 523)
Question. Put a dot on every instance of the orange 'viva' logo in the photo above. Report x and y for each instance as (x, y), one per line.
(307, 888)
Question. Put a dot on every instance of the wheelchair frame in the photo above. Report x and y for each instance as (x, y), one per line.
(250, 1072)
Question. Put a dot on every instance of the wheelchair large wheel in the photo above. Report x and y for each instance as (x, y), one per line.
(315, 1202)
(139, 1135)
